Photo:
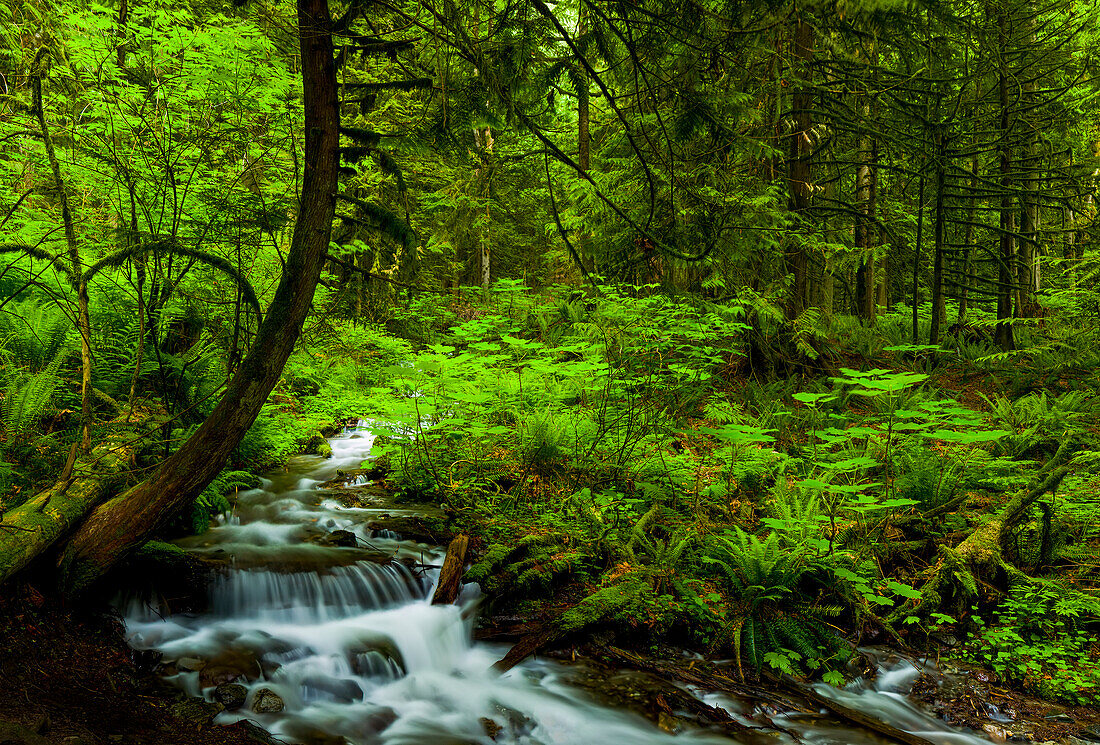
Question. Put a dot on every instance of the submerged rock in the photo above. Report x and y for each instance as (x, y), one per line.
(267, 701)
(228, 666)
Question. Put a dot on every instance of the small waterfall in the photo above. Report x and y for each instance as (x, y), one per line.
(313, 597)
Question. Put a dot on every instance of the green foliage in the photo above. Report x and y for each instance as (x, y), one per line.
(214, 499)
(1042, 638)
(26, 399)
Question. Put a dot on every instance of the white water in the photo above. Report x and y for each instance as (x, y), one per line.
(354, 649)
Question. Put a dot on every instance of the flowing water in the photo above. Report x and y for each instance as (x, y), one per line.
(350, 647)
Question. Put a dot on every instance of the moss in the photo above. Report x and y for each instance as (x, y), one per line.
(618, 603)
(160, 552)
(482, 570)
(317, 445)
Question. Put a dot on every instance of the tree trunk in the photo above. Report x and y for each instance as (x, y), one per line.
(865, 230)
(124, 523)
(799, 152)
(1007, 258)
(76, 267)
(968, 241)
(938, 310)
(918, 244)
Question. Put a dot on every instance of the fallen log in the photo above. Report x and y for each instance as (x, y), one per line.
(526, 647)
(32, 527)
(706, 677)
(450, 576)
(854, 716)
(976, 561)
(703, 676)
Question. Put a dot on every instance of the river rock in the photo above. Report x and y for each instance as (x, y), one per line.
(229, 666)
(231, 695)
(267, 702)
(341, 690)
(344, 538)
(492, 729)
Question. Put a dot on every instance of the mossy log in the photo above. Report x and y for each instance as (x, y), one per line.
(978, 560)
(32, 527)
(705, 675)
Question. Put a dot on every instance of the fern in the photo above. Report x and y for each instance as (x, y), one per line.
(27, 399)
(35, 333)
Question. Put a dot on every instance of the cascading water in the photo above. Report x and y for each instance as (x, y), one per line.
(337, 641)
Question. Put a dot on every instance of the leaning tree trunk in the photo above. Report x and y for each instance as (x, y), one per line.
(123, 523)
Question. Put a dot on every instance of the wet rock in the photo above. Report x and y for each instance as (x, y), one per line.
(492, 729)
(1091, 734)
(231, 695)
(414, 528)
(145, 660)
(229, 666)
(343, 538)
(267, 701)
(343, 691)
(317, 445)
(380, 661)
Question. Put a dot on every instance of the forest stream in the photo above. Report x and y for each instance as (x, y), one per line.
(316, 642)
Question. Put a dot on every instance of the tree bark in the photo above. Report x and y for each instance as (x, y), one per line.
(124, 523)
(799, 153)
(939, 224)
(865, 230)
(1007, 258)
(450, 575)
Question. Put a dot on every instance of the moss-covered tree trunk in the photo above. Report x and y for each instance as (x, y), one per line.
(125, 522)
(34, 526)
(979, 560)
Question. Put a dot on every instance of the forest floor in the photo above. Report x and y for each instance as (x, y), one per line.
(67, 677)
